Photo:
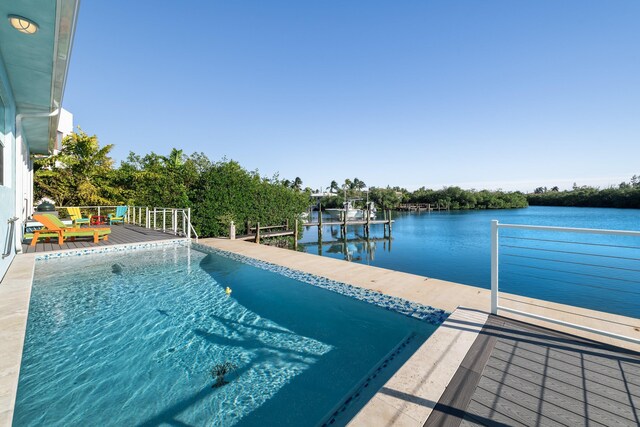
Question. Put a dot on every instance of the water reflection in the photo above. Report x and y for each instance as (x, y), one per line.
(354, 246)
(356, 250)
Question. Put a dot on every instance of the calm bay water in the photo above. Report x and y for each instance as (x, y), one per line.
(455, 246)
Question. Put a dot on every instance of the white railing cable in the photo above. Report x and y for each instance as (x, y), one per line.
(617, 279)
(146, 216)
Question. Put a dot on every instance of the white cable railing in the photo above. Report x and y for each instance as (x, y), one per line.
(607, 266)
(169, 220)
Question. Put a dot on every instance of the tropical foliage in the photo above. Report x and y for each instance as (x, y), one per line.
(217, 192)
(448, 197)
(456, 198)
(626, 195)
(80, 174)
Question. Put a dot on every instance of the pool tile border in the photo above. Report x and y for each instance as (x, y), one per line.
(107, 249)
(351, 397)
(410, 395)
(418, 311)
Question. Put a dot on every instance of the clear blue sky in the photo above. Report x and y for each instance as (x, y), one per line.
(497, 94)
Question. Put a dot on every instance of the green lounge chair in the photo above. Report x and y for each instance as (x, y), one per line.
(53, 226)
(77, 218)
(46, 236)
(119, 215)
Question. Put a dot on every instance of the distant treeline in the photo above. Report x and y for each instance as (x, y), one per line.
(454, 198)
(626, 195)
(458, 198)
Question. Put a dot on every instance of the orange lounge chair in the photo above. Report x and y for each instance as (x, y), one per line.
(53, 225)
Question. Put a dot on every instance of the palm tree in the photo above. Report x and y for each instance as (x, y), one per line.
(77, 174)
(297, 183)
(175, 158)
(359, 184)
(334, 187)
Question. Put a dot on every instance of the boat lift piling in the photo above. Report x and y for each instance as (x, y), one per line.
(343, 223)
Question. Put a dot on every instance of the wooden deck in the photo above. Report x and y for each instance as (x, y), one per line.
(119, 234)
(517, 374)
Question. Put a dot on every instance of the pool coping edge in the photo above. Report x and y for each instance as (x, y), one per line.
(15, 295)
(409, 396)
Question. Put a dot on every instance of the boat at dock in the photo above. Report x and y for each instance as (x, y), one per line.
(351, 212)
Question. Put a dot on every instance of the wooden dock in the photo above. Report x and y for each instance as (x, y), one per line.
(344, 223)
(353, 222)
(418, 207)
(264, 232)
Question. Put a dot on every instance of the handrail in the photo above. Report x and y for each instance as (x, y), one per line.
(11, 231)
(495, 300)
(572, 230)
(270, 227)
(175, 220)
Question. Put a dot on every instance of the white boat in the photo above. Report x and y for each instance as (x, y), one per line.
(352, 213)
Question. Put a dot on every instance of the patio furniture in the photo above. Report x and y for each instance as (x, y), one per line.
(53, 226)
(43, 235)
(77, 218)
(98, 220)
(119, 215)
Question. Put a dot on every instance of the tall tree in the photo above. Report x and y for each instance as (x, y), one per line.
(358, 184)
(297, 183)
(79, 174)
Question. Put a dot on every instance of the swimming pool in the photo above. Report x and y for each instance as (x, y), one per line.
(131, 338)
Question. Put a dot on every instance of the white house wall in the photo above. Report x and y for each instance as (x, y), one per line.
(9, 190)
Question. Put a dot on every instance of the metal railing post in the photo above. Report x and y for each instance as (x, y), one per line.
(164, 219)
(189, 220)
(494, 267)
(147, 219)
(232, 231)
(154, 218)
(174, 219)
(98, 210)
(184, 224)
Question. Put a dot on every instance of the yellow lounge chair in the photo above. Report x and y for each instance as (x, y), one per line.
(77, 218)
(53, 225)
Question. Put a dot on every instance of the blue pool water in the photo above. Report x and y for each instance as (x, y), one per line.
(130, 339)
(456, 245)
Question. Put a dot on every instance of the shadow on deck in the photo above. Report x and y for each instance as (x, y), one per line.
(517, 374)
(120, 234)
